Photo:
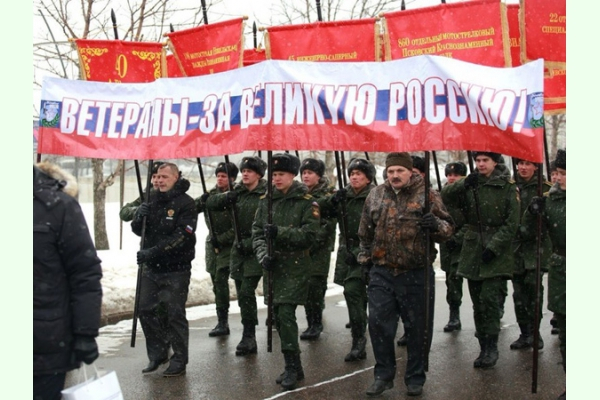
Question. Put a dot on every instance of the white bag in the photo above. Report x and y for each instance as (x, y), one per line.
(101, 386)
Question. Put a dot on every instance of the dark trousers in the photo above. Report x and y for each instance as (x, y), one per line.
(355, 293)
(315, 299)
(246, 294)
(48, 387)
(561, 320)
(393, 296)
(454, 287)
(524, 296)
(485, 295)
(165, 291)
(220, 281)
(287, 327)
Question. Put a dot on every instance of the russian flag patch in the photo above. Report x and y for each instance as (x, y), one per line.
(189, 229)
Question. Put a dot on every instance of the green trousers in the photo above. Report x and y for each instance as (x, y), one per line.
(285, 316)
(485, 295)
(246, 294)
(220, 282)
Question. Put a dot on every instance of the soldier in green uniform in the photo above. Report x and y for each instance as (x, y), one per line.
(218, 246)
(491, 219)
(245, 269)
(524, 275)
(313, 176)
(127, 212)
(553, 208)
(295, 223)
(450, 250)
(348, 272)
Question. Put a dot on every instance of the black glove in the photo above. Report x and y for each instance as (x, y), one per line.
(339, 196)
(472, 180)
(231, 197)
(142, 211)
(268, 262)
(429, 222)
(214, 242)
(537, 205)
(351, 259)
(366, 273)
(240, 249)
(487, 255)
(85, 349)
(451, 244)
(204, 197)
(270, 231)
(145, 255)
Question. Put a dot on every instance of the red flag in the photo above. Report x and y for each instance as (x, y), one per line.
(173, 70)
(210, 48)
(544, 27)
(555, 90)
(119, 61)
(253, 56)
(450, 30)
(354, 40)
(512, 11)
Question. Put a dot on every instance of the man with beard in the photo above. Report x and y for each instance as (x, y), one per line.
(169, 248)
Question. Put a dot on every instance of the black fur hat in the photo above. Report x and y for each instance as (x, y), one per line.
(232, 170)
(286, 162)
(155, 166)
(497, 157)
(457, 167)
(418, 163)
(256, 164)
(561, 159)
(363, 166)
(314, 165)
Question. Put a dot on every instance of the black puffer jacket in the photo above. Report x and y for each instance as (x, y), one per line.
(67, 294)
(170, 229)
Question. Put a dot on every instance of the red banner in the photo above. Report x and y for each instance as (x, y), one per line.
(473, 31)
(210, 48)
(354, 40)
(119, 61)
(544, 27)
(173, 70)
(512, 12)
(555, 90)
(253, 56)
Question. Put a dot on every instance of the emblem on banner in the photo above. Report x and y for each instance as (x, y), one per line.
(50, 114)
(536, 110)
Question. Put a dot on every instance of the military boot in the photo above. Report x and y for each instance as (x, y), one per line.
(491, 352)
(314, 331)
(299, 373)
(482, 346)
(293, 366)
(454, 321)
(358, 349)
(525, 339)
(309, 318)
(222, 327)
(248, 343)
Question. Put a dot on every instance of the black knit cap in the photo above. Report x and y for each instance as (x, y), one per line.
(457, 167)
(155, 166)
(286, 163)
(232, 170)
(497, 157)
(362, 165)
(256, 164)
(418, 163)
(314, 165)
(561, 159)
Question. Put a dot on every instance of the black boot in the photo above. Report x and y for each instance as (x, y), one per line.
(491, 352)
(525, 340)
(248, 343)
(309, 319)
(454, 321)
(222, 327)
(358, 349)
(299, 373)
(482, 346)
(293, 366)
(316, 327)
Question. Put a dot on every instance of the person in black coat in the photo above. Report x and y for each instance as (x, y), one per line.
(67, 294)
(169, 247)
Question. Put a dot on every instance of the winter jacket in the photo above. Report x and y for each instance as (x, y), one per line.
(297, 217)
(320, 252)
(222, 228)
(170, 229)
(450, 253)
(499, 210)
(525, 250)
(554, 224)
(389, 229)
(354, 207)
(242, 262)
(127, 212)
(67, 294)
